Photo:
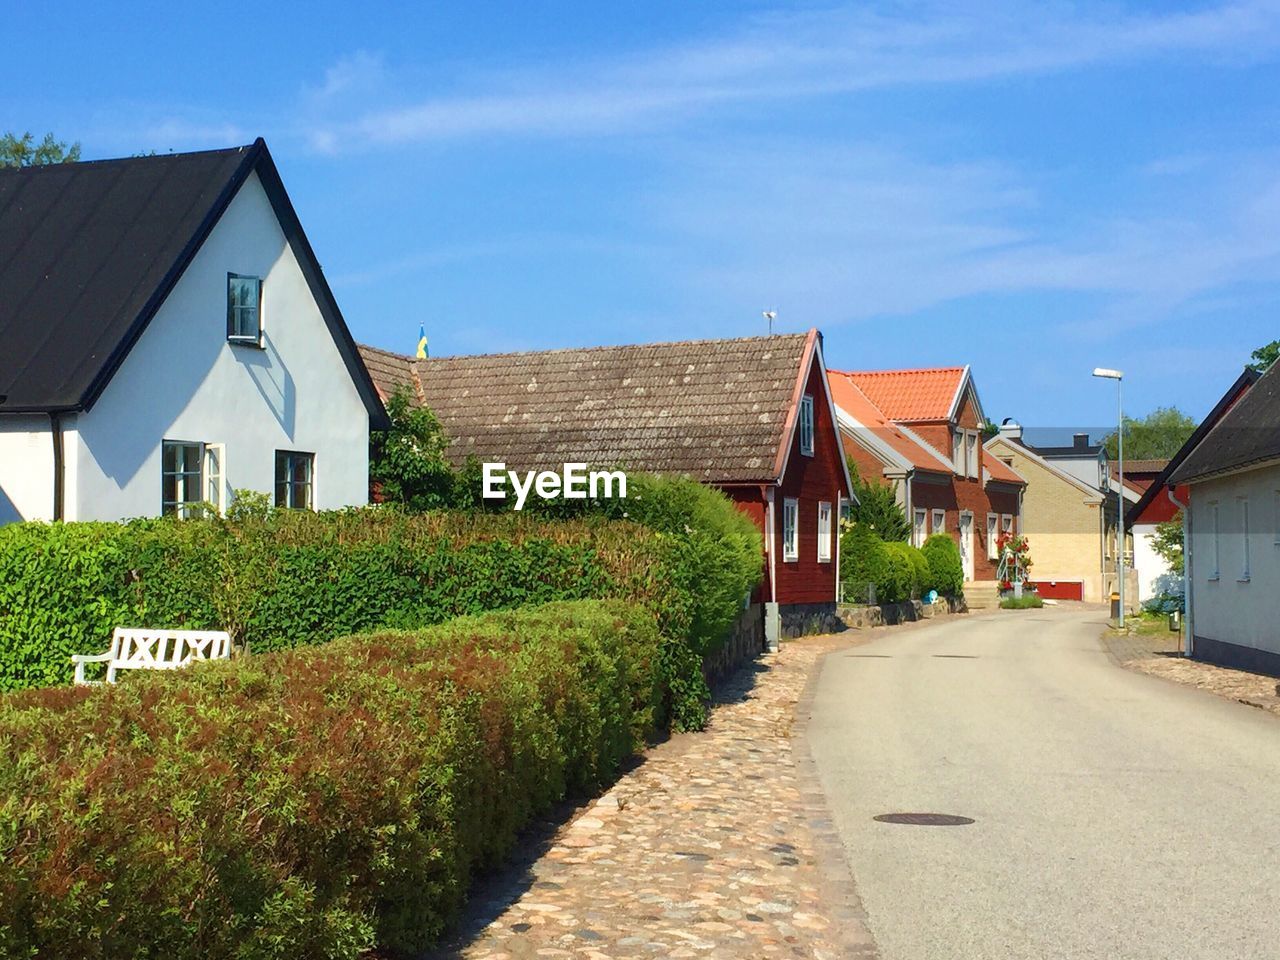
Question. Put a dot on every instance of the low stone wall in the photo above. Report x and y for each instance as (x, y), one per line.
(744, 643)
(878, 615)
(805, 619)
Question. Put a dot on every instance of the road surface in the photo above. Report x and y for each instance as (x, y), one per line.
(1117, 816)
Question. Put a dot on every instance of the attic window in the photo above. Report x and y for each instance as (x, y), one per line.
(244, 309)
(806, 425)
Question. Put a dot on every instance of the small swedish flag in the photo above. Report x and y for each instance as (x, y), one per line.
(422, 341)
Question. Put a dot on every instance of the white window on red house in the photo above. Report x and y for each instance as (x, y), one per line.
(790, 529)
(806, 425)
(971, 455)
(957, 452)
(939, 521)
(918, 524)
(993, 536)
(824, 532)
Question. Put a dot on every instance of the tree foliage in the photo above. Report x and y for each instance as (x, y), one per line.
(1265, 356)
(877, 507)
(22, 150)
(1157, 436)
(1166, 541)
(408, 465)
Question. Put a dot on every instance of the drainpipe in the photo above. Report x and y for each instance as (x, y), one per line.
(772, 625)
(1188, 634)
(59, 482)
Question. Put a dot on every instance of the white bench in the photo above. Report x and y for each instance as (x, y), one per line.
(136, 649)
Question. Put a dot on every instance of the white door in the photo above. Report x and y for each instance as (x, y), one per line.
(966, 545)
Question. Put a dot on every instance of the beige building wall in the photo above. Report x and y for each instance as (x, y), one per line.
(1063, 524)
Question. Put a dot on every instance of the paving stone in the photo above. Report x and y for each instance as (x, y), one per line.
(713, 846)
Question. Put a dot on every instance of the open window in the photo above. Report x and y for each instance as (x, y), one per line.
(244, 310)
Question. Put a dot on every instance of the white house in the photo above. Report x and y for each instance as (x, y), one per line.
(1232, 530)
(167, 336)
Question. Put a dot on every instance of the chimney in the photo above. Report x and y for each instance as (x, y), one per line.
(1011, 428)
(1080, 441)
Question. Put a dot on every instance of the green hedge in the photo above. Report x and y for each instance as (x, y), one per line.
(309, 803)
(294, 578)
(945, 564)
(899, 571)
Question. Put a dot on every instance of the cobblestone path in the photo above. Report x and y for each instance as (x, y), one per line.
(717, 845)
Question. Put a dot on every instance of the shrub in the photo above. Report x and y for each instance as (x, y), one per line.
(923, 572)
(876, 505)
(286, 578)
(899, 584)
(864, 562)
(313, 802)
(945, 565)
(1028, 601)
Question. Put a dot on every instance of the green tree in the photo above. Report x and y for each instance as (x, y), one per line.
(23, 151)
(878, 508)
(1166, 541)
(1265, 356)
(1157, 436)
(408, 465)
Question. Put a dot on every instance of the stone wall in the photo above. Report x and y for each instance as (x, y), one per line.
(804, 619)
(878, 615)
(744, 643)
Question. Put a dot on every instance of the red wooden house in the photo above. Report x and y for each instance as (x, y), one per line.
(920, 431)
(752, 416)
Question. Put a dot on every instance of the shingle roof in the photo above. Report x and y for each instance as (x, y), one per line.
(89, 251)
(911, 395)
(1138, 466)
(999, 470)
(1248, 434)
(716, 410)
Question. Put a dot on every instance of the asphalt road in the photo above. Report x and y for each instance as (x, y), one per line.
(1117, 816)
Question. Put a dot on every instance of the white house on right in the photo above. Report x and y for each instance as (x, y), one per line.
(1232, 529)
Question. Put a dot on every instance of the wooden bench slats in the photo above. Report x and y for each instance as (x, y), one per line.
(143, 649)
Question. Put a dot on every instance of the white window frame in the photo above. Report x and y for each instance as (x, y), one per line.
(1215, 570)
(971, 453)
(824, 531)
(936, 525)
(1242, 504)
(957, 452)
(1006, 523)
(919, 526)
(182, 507)
(993, 536)
(806, 425)
(790, 529)
(214, 480)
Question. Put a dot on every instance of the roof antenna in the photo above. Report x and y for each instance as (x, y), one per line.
(770, 315)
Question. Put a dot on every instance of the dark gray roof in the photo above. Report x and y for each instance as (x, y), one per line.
(89, 251)
(716, 410)
(1248, 434)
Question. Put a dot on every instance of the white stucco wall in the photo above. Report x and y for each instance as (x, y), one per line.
(26, 468)
(184, 381)
(1229, 609)
(1153, 572)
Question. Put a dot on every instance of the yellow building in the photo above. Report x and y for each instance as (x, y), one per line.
(1069, 525)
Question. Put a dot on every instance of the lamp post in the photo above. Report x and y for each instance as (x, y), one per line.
(1118, 377)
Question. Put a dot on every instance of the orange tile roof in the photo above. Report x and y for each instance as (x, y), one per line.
(911, 395)
(855, 403)
(997, 469)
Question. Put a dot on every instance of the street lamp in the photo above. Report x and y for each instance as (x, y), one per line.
(1118, 377)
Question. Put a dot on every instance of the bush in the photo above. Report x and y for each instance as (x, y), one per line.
(900, 581)
(864, 562)
(911, 574)
(1028, 601)
(923, 572)
(281, 579)
(313, 802)
(945, 566)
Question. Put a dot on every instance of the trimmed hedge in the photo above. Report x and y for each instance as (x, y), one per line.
(945, 564)
(293, 578)
(309, 803)
(899, 571)
(910, 573)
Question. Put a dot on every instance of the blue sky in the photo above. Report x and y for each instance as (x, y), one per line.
(1032, 188)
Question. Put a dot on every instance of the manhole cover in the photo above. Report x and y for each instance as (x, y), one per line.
(925, 819)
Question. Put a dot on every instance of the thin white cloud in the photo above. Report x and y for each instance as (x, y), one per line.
(785, 56)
